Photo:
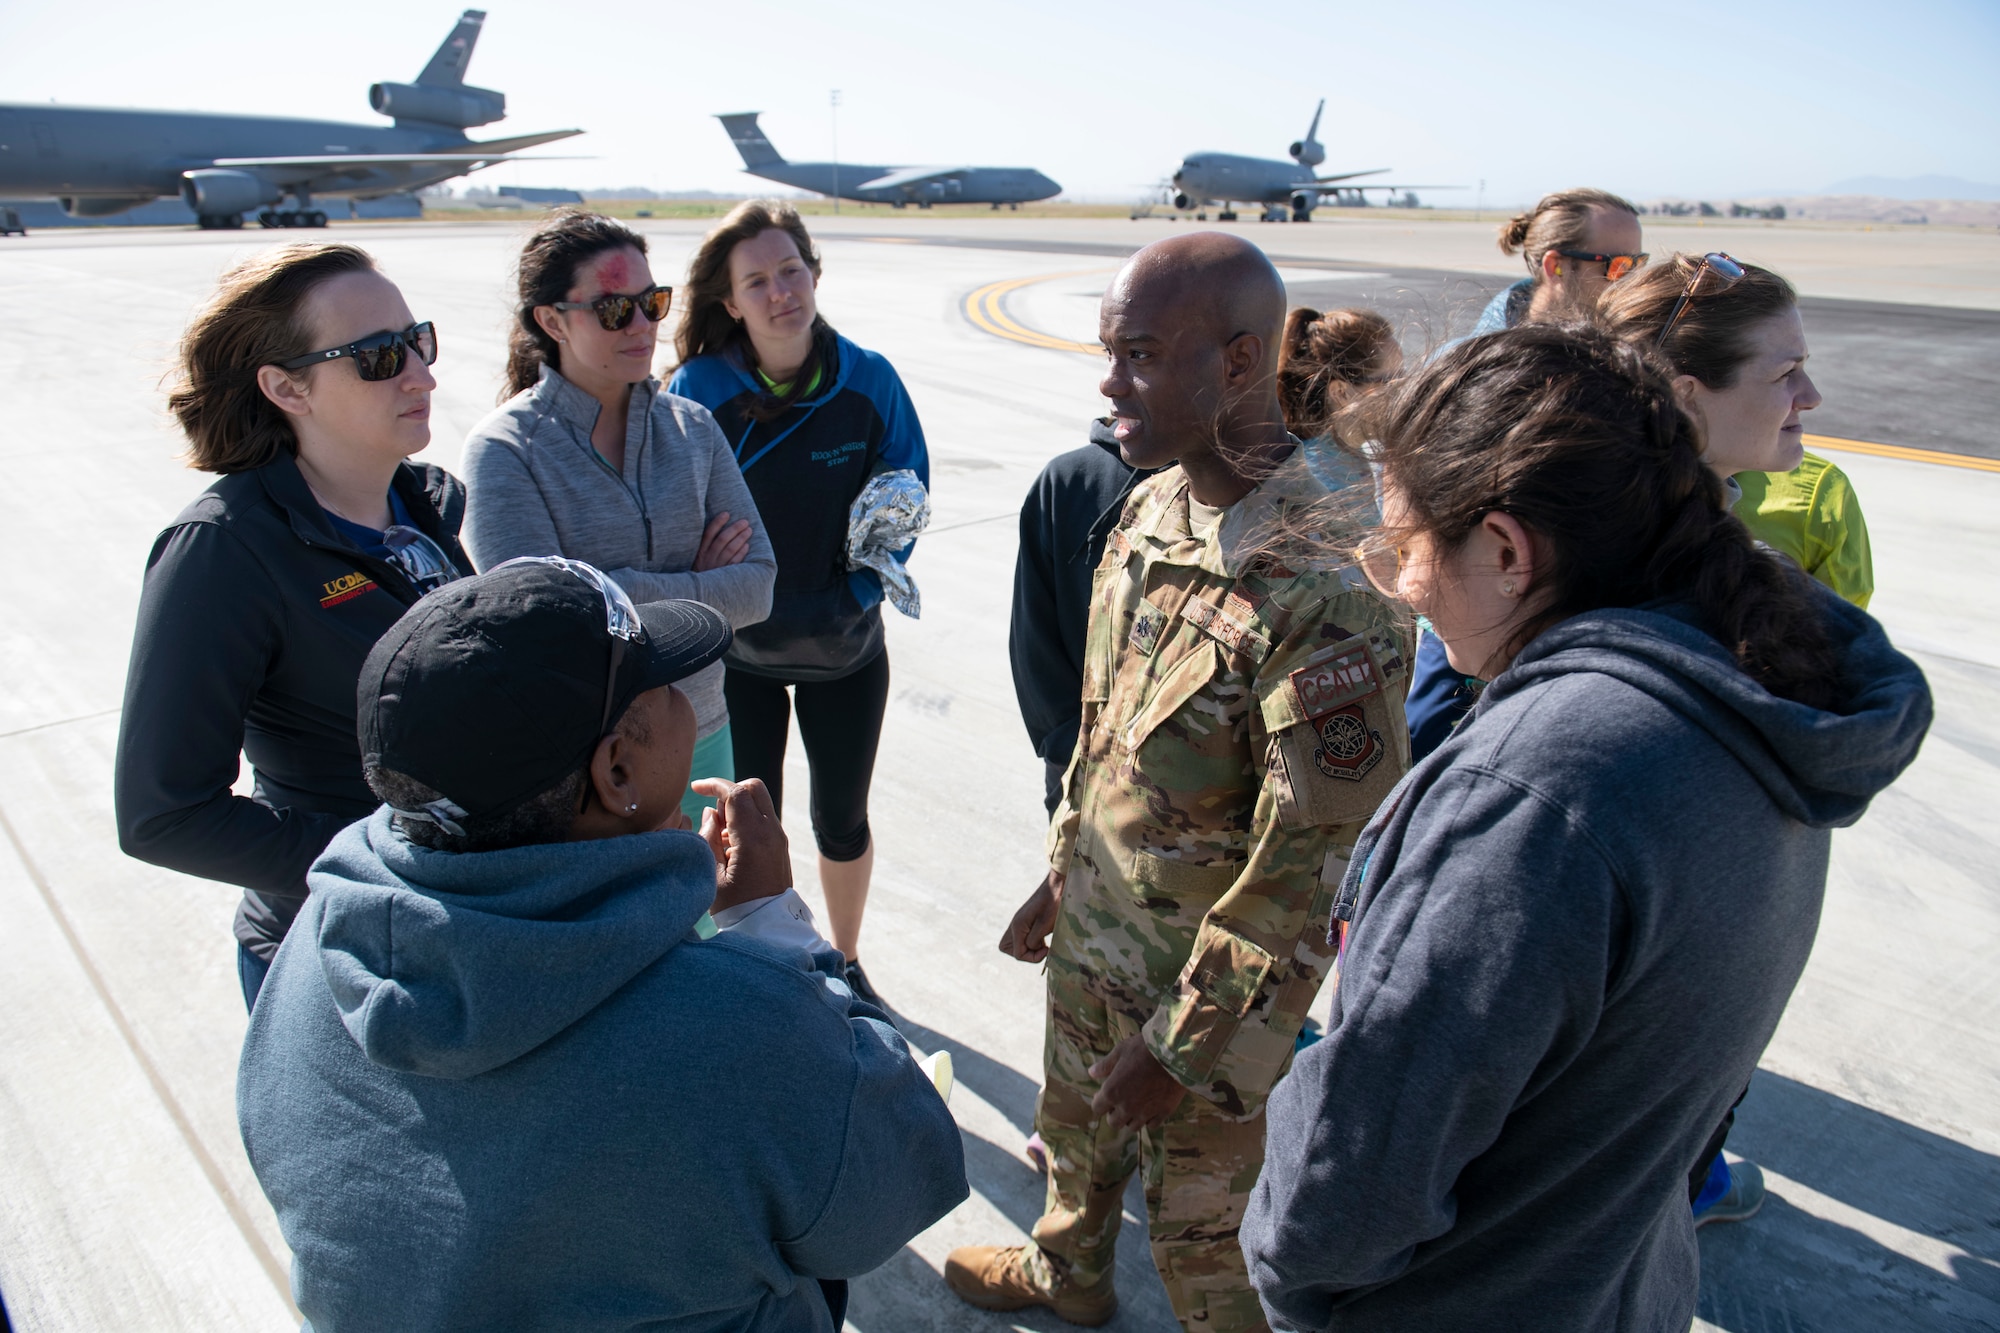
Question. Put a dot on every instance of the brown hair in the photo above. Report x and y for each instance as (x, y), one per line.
(1579, 437)
(570, 239)
(256, 318)
(1711, 340)
(707, 327)
(1560, 221)
(1323, 362)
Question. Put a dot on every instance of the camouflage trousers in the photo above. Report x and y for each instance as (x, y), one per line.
(1200, 1165)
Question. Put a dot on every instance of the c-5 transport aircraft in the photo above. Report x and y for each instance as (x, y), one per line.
(1227, 179)
(922, 186)
(98, 161)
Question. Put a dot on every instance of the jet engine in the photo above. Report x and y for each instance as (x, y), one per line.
(461, 107)
(1183, 202)
(1302, 205)
(219, 192)
(1309, 152)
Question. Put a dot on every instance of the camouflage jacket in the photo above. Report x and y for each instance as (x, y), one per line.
(1241, 721)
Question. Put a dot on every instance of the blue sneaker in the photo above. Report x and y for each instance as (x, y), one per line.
(1731, 1193)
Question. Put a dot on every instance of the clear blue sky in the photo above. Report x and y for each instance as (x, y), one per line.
(1699, 99)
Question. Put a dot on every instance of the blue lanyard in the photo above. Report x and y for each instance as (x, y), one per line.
(779, 439)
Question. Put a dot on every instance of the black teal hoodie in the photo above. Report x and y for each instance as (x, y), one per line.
(1574, 929)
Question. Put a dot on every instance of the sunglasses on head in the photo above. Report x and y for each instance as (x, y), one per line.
(615, 312)
(380, 356)
(1615, 266)
(1717, 272)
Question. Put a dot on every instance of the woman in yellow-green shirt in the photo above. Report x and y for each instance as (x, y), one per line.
(1812, 514)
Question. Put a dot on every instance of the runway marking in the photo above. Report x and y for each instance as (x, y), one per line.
(985, 308)
(1973, 462)
(276, 1271)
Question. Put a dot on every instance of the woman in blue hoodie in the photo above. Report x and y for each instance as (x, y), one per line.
(1568, 934)
(811, 418)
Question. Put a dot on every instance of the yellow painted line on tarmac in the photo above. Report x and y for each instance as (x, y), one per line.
(987, 311)
(1970, 461)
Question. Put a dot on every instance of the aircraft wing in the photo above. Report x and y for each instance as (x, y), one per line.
(907, 176)
(1350, 175)
(1330, 189)
(340, 161)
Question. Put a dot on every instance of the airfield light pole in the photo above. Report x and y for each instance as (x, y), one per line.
(833, 114)
(1479, 207)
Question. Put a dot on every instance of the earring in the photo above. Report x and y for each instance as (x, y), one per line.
(632, 808)
(1507, 588)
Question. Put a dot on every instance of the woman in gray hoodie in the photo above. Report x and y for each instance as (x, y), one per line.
(1568, 934)
(588, 457)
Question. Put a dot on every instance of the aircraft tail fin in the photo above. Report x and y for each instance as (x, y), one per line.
(447, 67)
(1312, 130)
(749, 139)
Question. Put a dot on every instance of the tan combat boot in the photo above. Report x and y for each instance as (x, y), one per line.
(993, 1278)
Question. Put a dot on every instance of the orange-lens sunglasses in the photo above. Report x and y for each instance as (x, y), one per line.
(1615, 266)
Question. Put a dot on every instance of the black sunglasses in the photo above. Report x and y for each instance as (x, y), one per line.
(1615, 266)
(380, 356)
(615, 312)
(1717, 272)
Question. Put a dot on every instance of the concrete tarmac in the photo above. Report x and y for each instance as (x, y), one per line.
(129, 1203)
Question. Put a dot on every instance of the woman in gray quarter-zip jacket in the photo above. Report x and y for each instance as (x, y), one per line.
(589, 458)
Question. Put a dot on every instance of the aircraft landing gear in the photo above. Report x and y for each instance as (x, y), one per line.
(1302, 215)
(221, 221)
(1226, 215)
(290, 217)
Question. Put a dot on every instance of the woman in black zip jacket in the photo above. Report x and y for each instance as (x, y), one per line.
(305, 382)
(811, 417)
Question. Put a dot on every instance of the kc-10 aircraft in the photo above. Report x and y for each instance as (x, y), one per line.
(98, 161)
(922, 186)
(1226, 179)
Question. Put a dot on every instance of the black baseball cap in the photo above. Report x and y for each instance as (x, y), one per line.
(494, 688)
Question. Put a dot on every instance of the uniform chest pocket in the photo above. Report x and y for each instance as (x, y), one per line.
(1191, 678)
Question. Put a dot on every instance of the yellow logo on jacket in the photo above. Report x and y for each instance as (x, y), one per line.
(345, 588)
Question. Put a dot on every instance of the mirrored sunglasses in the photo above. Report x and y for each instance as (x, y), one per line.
(1717, 272)
(379, 356)
(615, 312)
(1615, 266)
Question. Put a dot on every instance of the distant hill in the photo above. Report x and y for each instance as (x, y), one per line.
(1915, 187)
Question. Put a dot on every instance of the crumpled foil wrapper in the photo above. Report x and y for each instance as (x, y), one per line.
(887, 516)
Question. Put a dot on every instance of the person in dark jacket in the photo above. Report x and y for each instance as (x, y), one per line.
(506, 1074)
(811, 419)
(1065, 520)
(1569, 933)
(305, 382)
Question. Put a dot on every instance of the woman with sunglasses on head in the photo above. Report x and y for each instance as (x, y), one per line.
(305, 382)
(1567, 935)
(588, 458)
(811, 418)
(1732, 334)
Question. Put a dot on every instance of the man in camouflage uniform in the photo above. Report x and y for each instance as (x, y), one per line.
(1242, 717)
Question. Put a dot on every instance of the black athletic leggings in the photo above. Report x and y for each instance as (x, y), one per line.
(840, 722)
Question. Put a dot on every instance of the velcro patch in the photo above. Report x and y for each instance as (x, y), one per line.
(1146, 627)
(1348, 747)
(1229, 623)
(1336, 681)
